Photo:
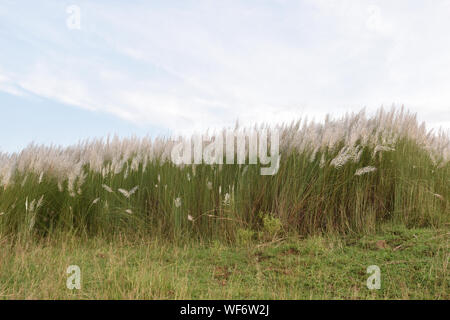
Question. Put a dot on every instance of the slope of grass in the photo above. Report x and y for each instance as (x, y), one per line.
(413, 263)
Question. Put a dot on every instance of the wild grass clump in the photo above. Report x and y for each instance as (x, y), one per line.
(344, 175)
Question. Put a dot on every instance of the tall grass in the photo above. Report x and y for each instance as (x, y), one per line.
(343, 175)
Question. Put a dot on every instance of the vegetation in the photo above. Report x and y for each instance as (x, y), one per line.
(413, 265)
(348, 193)
(343, 176)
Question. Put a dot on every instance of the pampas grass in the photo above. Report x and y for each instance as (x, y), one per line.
(327, 182)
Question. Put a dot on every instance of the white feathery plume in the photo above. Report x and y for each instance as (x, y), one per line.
(322, 161)
(381, 148)
(108, 189)
(438, 196)
(124, 192)
(41, 176)
(364, 170)
(133, 190)
(40, 201)
(227, 199)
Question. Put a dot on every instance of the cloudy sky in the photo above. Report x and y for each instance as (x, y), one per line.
(165, 67)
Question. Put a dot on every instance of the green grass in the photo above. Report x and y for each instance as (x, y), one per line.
(414, 265)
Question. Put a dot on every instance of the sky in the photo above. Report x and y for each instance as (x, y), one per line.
(73, 70)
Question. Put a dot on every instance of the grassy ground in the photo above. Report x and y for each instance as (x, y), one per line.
(413, 263)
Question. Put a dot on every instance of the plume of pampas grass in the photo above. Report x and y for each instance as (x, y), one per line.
(108, 189)
(126, 193)
(177, 202)
(380, 148)
(365, 170)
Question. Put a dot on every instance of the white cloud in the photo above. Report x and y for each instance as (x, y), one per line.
(205, 64)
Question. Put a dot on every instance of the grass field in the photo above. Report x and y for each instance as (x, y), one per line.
(141, 226)
(413, 264)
